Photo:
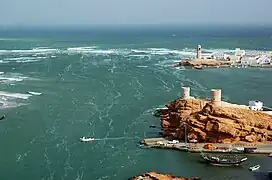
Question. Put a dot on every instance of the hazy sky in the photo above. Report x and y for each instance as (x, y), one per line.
(61, 12)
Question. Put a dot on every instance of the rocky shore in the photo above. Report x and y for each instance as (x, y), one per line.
(204, 62)
(157, 176)
(213, 63)
(203, 121)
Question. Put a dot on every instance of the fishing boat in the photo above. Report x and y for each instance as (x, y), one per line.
(3, 117)
(84, 139)
(159, 111)
(34, 93)
(198, 67)
(254, 168)
(224, 159)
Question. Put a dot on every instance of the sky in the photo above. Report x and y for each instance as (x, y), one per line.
(88, 12)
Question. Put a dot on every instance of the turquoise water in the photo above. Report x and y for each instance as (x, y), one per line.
(105, 84)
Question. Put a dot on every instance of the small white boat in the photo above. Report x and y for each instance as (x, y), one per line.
(34, 93)
(84, 139)
(254, 168)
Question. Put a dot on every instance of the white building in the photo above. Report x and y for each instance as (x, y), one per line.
(247, 60)
(239, 52)
(255, 105)
(264, 60)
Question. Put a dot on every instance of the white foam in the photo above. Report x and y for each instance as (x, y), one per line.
(142, 66)
(164, 51)
(15, 95)
(29, 51)
(11, 79)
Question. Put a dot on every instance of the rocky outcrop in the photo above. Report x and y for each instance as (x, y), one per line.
(203, 62)
(157, 176)
(208, 123)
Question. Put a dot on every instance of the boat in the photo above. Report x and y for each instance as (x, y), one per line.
(198, 67)
(34, 93)
(84, 139)
(3, 117)
(224, 159)
(254, 168)
(159, 111)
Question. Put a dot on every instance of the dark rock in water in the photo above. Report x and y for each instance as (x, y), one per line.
(142, 142)
(157, 176)
(270, 175)
(161, 133)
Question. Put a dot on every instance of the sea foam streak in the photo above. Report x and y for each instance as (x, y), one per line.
(15, 95)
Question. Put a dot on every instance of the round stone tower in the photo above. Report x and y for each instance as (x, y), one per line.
(216, 97)
(185, 92)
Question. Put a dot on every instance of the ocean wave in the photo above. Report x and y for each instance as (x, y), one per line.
(22, 59)
(29, 51)
(14, 95)
(43, 52)
(12, 77)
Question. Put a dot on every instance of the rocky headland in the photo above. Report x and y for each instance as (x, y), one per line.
(157, 176)
(205, 121)
(203, 62)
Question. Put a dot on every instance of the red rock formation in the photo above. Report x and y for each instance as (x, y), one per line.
(157, 176)
(216, 124)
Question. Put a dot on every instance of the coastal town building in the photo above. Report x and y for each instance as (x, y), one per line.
(255, 105)
(259, 106)
(239, 52)
(249, 60)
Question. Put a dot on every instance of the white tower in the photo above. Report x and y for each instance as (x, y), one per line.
(185, 92)
(198, 52)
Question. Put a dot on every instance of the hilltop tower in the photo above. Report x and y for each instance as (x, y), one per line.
(185, 92)
(216, 97)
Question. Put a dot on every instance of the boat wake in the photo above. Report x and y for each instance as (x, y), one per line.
(84, 139)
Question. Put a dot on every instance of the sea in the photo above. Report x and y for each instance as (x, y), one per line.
(105, 82)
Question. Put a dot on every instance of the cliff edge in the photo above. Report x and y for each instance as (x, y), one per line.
(206, 122)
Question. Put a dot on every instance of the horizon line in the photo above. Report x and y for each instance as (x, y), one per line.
(138, 24)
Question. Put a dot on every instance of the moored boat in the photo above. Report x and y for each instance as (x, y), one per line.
(254, 168)
(3, 117)
(159, 111)
(224, 159)
(198, 67)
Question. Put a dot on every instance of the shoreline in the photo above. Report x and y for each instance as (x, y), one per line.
(212, 63)
(212, 125)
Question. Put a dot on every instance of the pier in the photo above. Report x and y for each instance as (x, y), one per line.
(163, 143)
